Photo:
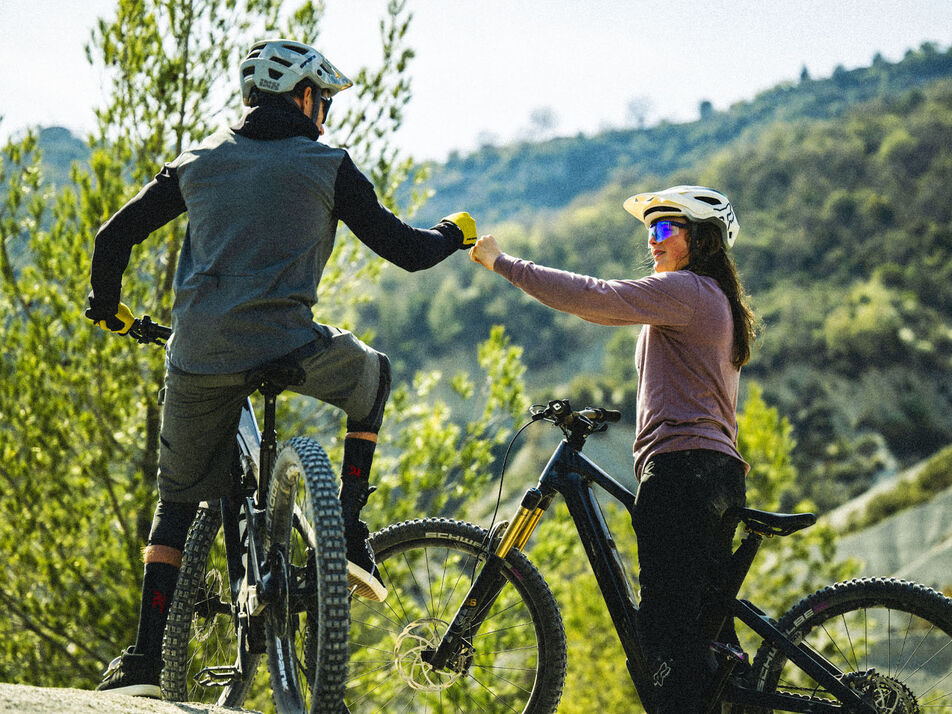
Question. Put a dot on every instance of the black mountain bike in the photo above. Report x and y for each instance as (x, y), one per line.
(471, 626)
(263, 571)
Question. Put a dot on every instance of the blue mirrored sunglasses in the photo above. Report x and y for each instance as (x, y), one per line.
(326, 102)
(664, 229)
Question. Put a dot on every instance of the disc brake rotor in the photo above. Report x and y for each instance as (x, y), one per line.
(417, 638)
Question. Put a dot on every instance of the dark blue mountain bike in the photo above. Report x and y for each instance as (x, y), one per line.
(264, 572)
(471, 626)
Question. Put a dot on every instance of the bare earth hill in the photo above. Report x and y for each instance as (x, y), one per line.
(23, 699)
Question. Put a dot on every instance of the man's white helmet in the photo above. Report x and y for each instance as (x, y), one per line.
(276, 66)
(698, 203)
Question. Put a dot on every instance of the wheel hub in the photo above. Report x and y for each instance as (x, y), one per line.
(418, 638)
(888, 695)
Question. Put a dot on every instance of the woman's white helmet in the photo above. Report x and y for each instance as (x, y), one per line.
(698, 203)
(276, 66)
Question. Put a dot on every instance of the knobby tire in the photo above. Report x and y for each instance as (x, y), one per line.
(899, 630)
(307, 642)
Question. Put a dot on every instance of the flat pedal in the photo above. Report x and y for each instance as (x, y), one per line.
(217, 676)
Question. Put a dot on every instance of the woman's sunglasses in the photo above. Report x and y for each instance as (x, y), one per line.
(326, 103)
(664, 229)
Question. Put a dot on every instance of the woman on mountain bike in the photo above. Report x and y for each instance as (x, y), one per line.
(263, 199)
(696, 335)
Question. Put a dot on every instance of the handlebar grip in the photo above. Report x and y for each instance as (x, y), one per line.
(611, 415)
(147, 332)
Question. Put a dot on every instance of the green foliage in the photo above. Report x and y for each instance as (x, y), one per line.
(74, 470)
(790, 567)
(432, 463)
(499, 182)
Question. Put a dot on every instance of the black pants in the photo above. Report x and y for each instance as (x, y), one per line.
(684, 542)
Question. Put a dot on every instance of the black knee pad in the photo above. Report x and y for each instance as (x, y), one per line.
(372, 421)
(171, 523)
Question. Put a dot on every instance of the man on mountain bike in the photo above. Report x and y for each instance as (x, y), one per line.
(263, 199)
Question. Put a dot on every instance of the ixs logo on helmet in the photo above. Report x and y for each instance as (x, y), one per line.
(268, 84)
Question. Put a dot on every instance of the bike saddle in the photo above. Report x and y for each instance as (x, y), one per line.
(774, 524)
(278, 375)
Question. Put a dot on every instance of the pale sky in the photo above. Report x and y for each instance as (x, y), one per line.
(483, 66)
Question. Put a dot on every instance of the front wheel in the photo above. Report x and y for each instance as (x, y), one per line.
(307, 626)
(514, 663)
(891, 639)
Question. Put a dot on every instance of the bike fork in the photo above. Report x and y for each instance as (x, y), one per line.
(456, 645)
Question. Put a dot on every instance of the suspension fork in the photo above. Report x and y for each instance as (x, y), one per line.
(456, 645)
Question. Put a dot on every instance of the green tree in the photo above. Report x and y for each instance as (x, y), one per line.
(79, 418)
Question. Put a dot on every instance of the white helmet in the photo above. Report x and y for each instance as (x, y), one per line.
(276, 66)
(701, 204)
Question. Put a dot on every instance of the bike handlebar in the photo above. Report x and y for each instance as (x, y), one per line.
(560, 413)
(145, 332)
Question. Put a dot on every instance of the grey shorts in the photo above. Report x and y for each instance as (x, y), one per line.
(200, 412)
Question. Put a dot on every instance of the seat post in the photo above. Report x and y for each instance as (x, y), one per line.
(269, 440)
(712, 619)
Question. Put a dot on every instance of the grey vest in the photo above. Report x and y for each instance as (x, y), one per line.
(261, 229)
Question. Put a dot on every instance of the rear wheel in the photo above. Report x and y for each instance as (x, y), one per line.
(514, 663)
(307, 632)
(200, 637)
(891, 639)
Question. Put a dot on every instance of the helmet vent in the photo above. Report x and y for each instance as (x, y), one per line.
(275, 74)
(710, 199)
(663, 209)
(281, 60)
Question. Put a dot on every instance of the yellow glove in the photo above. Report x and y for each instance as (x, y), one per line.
(467, 224)
(119, 323)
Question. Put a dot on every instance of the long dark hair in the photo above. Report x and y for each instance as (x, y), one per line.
(708, 256)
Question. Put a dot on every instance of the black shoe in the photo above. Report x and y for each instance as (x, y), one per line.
(362, 574)
(133, 674)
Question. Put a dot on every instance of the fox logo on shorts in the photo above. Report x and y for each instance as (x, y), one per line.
(662, 673)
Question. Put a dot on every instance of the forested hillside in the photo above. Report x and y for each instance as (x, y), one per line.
(519, 180)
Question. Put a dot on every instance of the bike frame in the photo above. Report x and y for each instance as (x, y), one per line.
(244, 565)
(573, 475)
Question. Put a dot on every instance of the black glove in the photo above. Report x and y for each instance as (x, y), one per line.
(110, 317)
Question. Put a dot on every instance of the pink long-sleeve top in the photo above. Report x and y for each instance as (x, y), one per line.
(687, 386)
